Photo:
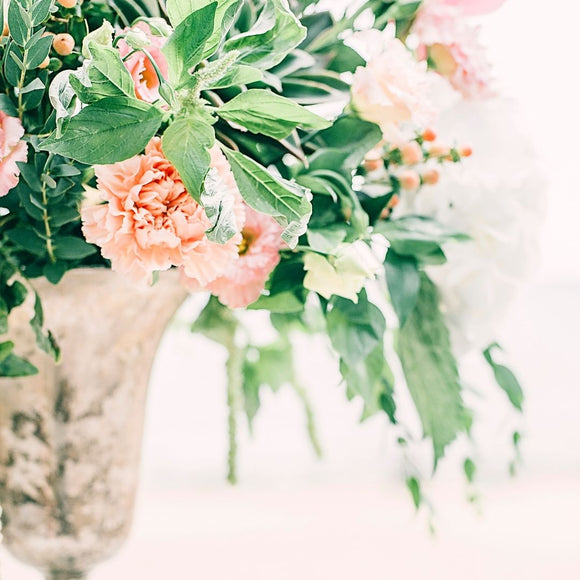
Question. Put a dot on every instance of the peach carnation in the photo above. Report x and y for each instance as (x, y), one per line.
(150, 222)
(258, 256)
(141, 68)
(12, 150)
(393, 88)
(453, 47)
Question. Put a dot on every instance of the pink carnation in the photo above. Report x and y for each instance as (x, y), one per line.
(12, 150)
(258, 256)
(475, 7)
(151, 223)
(454, 48)
(141, 68)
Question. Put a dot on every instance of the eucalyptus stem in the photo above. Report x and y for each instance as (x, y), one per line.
(234, 369)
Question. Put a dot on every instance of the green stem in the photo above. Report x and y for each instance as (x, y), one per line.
(234, 368)
(310, 419)
(46, 220)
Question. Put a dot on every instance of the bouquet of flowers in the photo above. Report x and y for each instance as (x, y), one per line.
(282, 156)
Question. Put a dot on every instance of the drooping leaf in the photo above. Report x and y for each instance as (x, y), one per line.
(430, 369)
(403, 281)
(505, 378)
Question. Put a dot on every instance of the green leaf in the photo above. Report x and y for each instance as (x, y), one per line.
(226, 10)
(8, 106)
(417, 236)
(219, 206)
(184, 48)
(37, 52)
(355, 330)
(431, 371)
(44, 341)
(469, 469)
(108, 131)
(5, 349)
(72, 248)
(216, 322)
(414, 486)
(19, 22)
(326, 240)
(505, 378)
(287, 202)
(41, 11)
(186, 143)
(283, 302)
(104, 75)
(15, 366)
(28, 239)
(276, 32)
(403, 281)
(263, 112)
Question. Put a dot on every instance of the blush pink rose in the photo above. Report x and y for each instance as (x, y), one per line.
(12, 150)
(393, 88)
(150, 222)
(475, 7)
(141, 68)
(454, 48)
(259, 254)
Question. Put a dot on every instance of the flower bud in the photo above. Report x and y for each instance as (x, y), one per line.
(437, 149)
(411, 153)
(63, 44)
(409, 180)
(137, 39)
(431, 177)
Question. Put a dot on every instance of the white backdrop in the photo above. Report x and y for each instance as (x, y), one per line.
(348, 516)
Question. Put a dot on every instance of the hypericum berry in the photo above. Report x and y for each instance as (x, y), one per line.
(431, 177)
(465, 151)
(44, 63)
(409, 179)
(63, 44)
(67, 3)
(429, 135)
(437, 149)
(388, 209)
(411, 153)
(372, 164)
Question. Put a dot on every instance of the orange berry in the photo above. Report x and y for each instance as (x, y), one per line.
(67, 3)
(44, 63)
(409, 179)
(411, 153)
(5, 30)
(373, 164)
(465, 151)
(429, 135)
(63, 44)
(437, 149)
(393, 202)
(431, 177)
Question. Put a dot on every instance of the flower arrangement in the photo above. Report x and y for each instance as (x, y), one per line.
(276, 154)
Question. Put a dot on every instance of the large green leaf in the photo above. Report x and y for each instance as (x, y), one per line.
(287, 202)
(431, 371)
(184, 48)
(403, 281)
(265, 113)
(276, 32)
(110, 130)
(186, 143)
(355, 330)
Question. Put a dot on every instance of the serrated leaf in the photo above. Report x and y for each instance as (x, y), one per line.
(287, 202)
(263, 112)
(108, 131)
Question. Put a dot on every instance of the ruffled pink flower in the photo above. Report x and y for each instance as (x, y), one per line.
(150, 222)
(12, 150)
(393, 88)
(475, 7)
(453, 46)
(258, 256)
(141, 68)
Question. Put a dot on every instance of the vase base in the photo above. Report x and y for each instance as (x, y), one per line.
(57, 575)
